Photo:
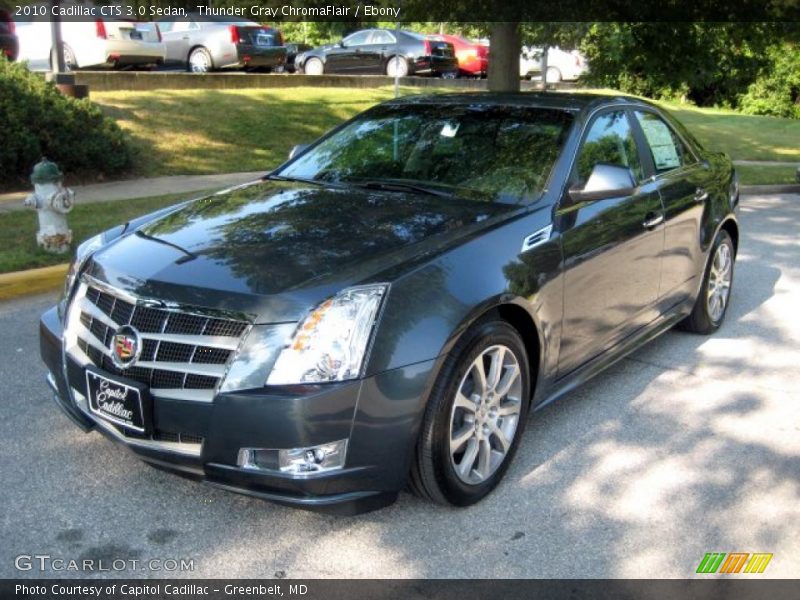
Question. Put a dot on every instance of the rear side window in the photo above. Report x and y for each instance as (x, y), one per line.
(357, 39)
(381, 37)
(610, 141)
(666, 148)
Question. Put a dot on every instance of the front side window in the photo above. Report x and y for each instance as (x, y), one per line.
(666, 148)
(610, 141)
(501, 154)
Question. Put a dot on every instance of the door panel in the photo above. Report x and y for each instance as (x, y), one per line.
(682, 181)
(347, 58)
(612, 260)
(177, 39)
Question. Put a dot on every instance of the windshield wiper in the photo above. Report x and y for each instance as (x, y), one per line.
(319, 182)
(390, 185)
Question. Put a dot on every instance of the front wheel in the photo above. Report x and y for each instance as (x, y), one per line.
(475, 417)
(313, 66)
(712, 301)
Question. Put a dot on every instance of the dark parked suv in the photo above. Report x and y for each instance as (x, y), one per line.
(381, 52)
(388, 306)
(9, 44)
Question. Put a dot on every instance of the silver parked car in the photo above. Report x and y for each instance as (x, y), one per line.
(205, 43)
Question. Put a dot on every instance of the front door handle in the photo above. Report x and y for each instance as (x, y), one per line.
(653, 220)
(700, 195)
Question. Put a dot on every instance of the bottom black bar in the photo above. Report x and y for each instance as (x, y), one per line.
(405, 589)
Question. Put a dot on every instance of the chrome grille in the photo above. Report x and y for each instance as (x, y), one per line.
(184, 355)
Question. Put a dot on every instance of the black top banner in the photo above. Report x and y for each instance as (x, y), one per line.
(466, 11)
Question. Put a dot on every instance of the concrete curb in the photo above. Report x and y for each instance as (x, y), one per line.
(127, 81)
(787, 188)
(32, 281)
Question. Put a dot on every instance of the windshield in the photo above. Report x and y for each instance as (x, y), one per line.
(496, 153)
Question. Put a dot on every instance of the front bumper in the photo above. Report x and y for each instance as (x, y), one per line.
(379, 416)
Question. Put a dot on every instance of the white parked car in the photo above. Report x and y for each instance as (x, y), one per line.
(102, 43)
(562, 65)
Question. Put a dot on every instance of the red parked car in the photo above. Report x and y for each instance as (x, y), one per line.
(473, 59)
(9, 45)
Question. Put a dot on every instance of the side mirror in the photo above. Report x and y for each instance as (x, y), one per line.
(297, 150)
(605, 181)
(341, 44)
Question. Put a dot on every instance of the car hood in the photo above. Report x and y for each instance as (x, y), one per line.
(273, 250)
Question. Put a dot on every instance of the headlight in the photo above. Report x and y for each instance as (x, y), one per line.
(330, 344)
(83, 252)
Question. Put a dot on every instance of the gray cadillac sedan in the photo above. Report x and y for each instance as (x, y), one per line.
(386, 308)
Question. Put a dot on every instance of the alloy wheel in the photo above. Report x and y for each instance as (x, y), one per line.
(485, 414)
(198, 62)
(719, 282)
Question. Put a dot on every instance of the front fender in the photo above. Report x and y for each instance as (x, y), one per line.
(428, 309)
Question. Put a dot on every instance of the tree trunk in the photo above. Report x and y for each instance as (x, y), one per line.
(544, 67)
(504, 61)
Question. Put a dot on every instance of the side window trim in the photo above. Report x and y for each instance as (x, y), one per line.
(645, 156)
(587, 128)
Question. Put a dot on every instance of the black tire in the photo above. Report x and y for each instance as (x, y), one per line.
(70, 63)
(433, 473)
(700, 320)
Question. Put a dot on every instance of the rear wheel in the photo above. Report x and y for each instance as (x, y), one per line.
(553, 75)
(200, 61)
(70, 63)
(397, 67)
(475, 417)
(313, 66)
(712, 301)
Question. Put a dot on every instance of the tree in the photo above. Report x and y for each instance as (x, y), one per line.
(504, 63)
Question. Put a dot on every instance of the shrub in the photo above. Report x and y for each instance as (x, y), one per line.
(36, 121)
(705, 63)
(776, 91)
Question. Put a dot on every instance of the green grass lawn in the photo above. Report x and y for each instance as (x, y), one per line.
(758, 175)
(18, 228)
(225, 131)
(218, 131)
(744, 137)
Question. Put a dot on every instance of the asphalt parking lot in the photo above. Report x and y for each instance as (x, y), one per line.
(691, 445)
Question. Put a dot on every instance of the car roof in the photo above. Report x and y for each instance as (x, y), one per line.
(568, 101)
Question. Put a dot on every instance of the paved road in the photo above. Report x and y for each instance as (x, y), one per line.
(689, 446)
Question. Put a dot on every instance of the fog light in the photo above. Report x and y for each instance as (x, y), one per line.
(295, 461)
(315, 459)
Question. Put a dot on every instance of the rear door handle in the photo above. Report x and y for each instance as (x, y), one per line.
(700, 195)
(653, 220)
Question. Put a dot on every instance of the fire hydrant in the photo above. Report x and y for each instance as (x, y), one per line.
(52, 201)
